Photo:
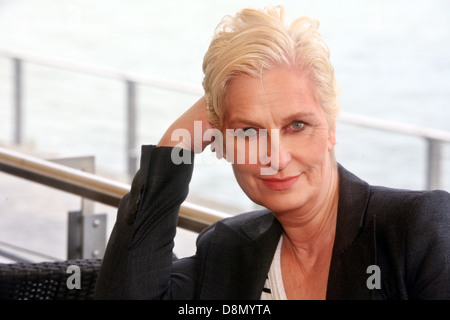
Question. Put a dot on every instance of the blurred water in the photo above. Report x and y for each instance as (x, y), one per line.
(392, 60)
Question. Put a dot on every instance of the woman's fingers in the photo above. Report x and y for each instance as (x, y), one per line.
(188, 130)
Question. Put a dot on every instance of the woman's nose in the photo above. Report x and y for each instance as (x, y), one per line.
(279, 158)
(280, 162)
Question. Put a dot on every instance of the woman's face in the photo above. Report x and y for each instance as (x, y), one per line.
(283, 100)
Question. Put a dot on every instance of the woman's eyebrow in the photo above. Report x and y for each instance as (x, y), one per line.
(243, 121)
(303, 115)
(299, 116)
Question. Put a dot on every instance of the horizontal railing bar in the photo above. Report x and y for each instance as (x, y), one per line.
(54, 174)
(397, 127)
(192, 217)
(24, 251)
(13, 257)
(101, 71)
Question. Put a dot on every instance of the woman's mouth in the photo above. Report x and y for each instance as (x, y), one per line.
(280, 184)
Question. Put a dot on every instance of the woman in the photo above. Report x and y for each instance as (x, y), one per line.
(325, 234)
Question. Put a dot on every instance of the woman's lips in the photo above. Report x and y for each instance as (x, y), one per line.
(280, 184)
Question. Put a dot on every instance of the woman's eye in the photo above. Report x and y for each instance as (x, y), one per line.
(246, 133)
(250, 132)
(297, 125)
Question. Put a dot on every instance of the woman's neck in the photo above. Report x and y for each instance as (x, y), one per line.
(309, 230)
(308, 241)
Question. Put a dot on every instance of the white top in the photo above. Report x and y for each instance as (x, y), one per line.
(274, 287)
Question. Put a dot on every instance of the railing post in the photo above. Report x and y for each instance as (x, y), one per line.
(86, 234)
(433, 164)
(131, 128)
(18, 114)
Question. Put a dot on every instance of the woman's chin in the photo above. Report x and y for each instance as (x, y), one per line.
(280, 205)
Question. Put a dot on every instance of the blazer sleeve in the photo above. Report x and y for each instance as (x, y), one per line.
(428, 247)
(138, 259)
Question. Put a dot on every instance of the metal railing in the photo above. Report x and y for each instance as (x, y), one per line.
(130, 81)
(432, 137)
(192, 217)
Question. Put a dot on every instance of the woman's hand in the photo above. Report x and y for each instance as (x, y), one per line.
(187, 131)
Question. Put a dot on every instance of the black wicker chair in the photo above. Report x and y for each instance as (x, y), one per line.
(47, 280)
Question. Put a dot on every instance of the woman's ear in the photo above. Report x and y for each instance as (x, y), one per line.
(332, 136)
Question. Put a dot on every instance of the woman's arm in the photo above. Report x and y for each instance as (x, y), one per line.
(138, 259)
(186, 123)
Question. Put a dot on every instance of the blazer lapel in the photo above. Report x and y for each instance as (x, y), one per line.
(354, 195)
(239, 257)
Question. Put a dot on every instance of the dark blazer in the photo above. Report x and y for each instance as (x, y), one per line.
(404, 233)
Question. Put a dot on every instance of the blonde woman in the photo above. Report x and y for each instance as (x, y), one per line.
(325, 234)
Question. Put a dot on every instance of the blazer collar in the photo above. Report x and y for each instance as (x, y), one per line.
(257, 223)
(239, 256)
(354, 195)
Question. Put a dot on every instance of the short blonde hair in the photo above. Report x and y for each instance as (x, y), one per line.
(256, 40)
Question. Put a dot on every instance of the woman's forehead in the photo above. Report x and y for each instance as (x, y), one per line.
(279, 92)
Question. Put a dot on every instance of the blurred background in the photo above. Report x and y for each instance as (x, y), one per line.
(392, 60)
